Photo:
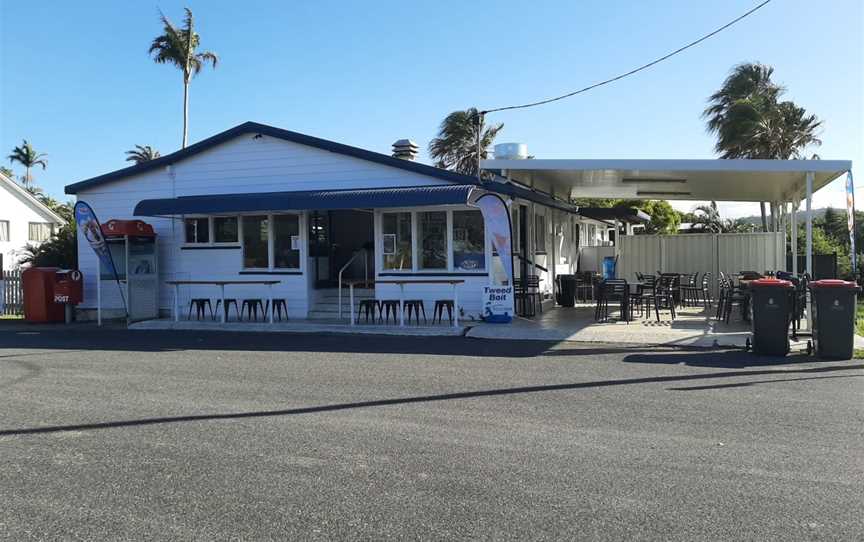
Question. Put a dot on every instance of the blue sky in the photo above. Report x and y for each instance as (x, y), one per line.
(78, 83)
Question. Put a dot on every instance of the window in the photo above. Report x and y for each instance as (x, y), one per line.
(432, 232)
(197, 230)
(40, 231)
(256, 253)
(224, 229)
(4, 230)
(540, 233)
(286, 241)
(396, 228)
(469, 241)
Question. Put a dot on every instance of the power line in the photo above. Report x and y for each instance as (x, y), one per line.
(634, 71)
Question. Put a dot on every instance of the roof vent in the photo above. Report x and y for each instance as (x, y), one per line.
(405, 149)
(511, 151)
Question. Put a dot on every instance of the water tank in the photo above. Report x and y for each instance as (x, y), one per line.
(511, 151)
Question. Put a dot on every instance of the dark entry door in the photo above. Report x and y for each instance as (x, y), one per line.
(334, 238)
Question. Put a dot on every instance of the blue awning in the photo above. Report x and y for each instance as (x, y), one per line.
(370, 198)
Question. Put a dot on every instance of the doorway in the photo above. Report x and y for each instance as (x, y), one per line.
(334, 239)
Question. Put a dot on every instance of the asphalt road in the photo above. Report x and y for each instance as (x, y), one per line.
(203, 436)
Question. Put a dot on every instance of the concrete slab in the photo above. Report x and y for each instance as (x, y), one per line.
(304, 326)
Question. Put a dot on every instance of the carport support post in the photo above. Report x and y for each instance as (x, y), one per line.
(810, 223)
(795, 205)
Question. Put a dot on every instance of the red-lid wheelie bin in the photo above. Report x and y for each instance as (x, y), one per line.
(771, 306)
(834, 304)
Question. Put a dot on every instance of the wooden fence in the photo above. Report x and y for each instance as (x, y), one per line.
(13, 293)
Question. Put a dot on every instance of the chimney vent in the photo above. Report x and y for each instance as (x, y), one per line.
(405, 149)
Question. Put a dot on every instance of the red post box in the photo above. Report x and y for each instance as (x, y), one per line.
(50, 293)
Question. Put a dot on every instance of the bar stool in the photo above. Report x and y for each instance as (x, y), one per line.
(251, 306)
(387, 305)
(370, 305)
(200, 303)
(228, 303)
(417, 306)
(440, 305)
(279, 305)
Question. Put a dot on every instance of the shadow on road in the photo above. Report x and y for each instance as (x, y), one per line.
(425, 399)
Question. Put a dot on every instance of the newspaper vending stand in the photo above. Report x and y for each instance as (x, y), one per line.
(133, 248)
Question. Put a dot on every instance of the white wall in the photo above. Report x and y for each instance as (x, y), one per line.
(237, 166)
(19, 213)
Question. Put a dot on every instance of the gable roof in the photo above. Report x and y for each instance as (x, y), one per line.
(29, 199)
(279, 133)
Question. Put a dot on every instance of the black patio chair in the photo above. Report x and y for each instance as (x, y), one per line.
(615, 290)
(666, 294)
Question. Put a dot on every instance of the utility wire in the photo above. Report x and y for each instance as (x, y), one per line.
(634, 71)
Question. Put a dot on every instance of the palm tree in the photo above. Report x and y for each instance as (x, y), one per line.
(708, 217)
(179, 46)
(141, 154)
(27, 156)
(750, 122)
(455, 147)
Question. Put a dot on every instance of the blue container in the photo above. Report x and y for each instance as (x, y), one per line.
(609, 267)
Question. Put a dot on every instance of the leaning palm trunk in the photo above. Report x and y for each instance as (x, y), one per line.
(185, 113)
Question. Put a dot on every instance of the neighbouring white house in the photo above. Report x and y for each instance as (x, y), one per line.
(23, 220)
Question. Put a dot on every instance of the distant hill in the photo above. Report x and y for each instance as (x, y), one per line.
(817, 213)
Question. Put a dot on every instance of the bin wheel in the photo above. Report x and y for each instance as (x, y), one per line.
(809, 348)
(747, 345)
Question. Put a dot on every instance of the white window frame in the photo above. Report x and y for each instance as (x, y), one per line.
(212, 232)
(8, 231)
(51, 231)
(271, 257)
(415, 242)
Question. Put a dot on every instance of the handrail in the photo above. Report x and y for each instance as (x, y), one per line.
(349, 262)
(538, 266)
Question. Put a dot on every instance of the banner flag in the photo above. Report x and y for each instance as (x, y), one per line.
(498, 298)
(850, 219)
(89, 226)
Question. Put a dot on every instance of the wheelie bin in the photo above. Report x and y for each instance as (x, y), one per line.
(771, 304)
(566, 290)
(834, 303)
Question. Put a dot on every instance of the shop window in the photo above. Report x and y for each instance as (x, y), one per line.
(225, 229)
(396, 250)
(469, 241)
(256, 252)
(197, 230)
(540, 234)
(432, 232)
(286, 241)
(39, 231)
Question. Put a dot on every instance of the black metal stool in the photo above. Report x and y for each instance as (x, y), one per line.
(228, 303)
(279, 305)
(251, 306)
(386, 305)
(200, 303)
(370, 305)
(440, 305)
(417, 306)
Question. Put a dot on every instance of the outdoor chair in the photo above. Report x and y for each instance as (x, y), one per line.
(615, 290)
(251, 306)
(228, 303)
(646, 293)
(200, 303)
(585, 286)
(370, 306)
(438, 311)
(415, 305)
(533, 290)
(730, 296)
(665, 294)
(690, 290)
(386, 307)
(706, 290)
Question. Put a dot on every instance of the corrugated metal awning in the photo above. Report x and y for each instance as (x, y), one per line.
(369, 198)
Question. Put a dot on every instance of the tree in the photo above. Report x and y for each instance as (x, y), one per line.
(455, 148)
(750, 122)
(27, 156)
(141, 154)
(179, 46)
(59, 251)
(708, 217)
(664, 219)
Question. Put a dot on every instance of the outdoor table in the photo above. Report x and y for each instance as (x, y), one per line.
(221, 284)
(401, 283)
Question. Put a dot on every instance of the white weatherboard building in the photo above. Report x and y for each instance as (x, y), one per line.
(261, 203)
(23, 220)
